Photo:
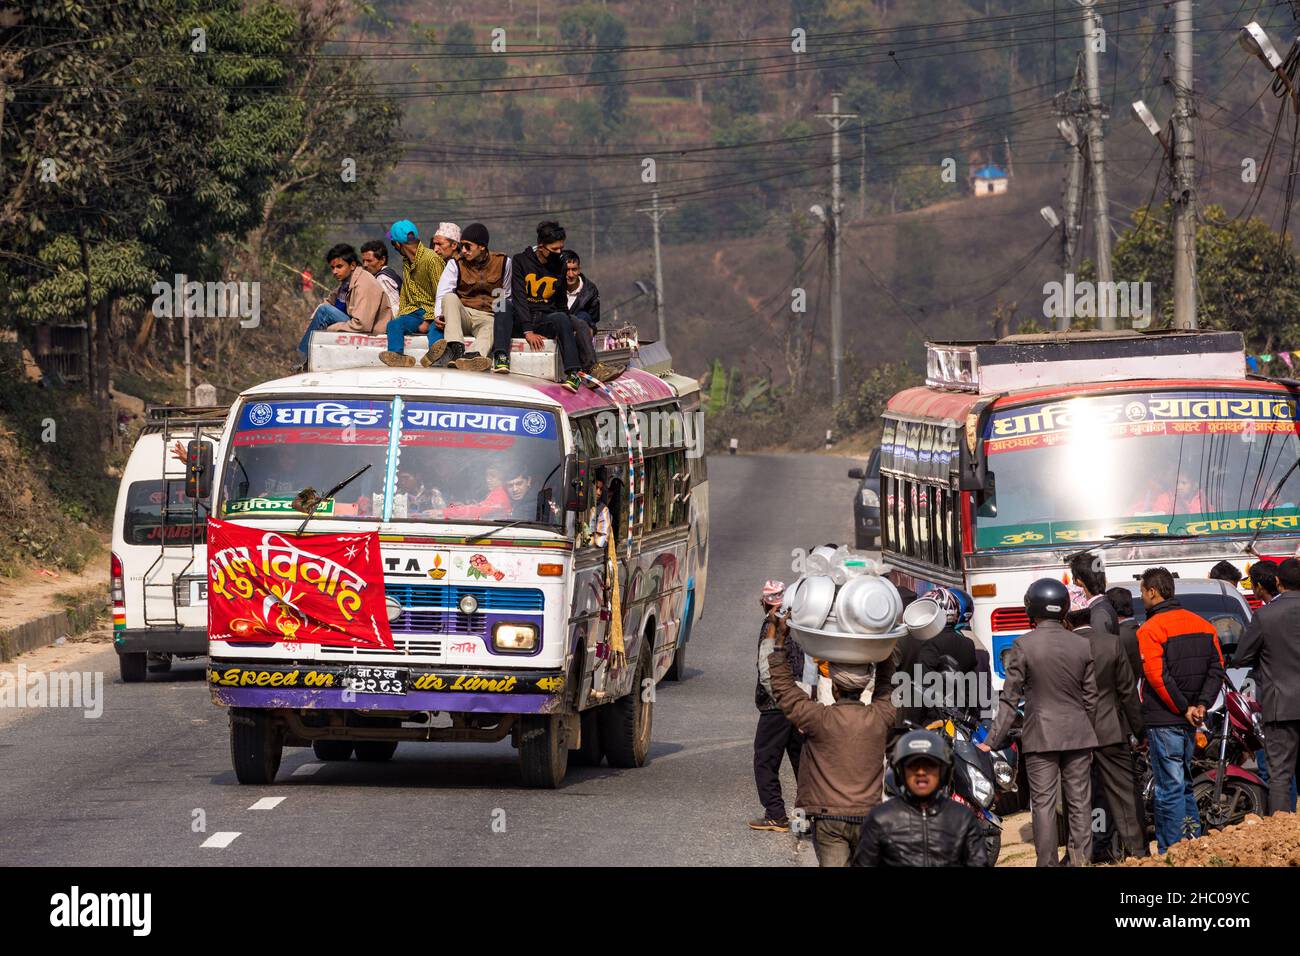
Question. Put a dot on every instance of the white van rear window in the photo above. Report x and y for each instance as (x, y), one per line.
(144, 523)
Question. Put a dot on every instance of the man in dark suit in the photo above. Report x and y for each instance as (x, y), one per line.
(1090, 574)
(1119, 714)
(1271, 645)
(1053, 670)
(1121, 599)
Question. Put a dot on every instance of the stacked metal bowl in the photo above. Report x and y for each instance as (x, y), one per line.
(843, 609)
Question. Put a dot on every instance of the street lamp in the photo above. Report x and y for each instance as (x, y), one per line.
(1254, 40)
(1050, 217)
(1148, 119)
(1069, 132)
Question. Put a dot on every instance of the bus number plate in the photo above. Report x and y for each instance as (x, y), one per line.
(376, 680)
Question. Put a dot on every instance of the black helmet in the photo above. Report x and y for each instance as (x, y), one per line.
(922, 743)
(1047, 599)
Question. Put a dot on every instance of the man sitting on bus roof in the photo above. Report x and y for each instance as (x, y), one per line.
(540, 306)
(478, 301)
(374, 259)
(359, 302)
(422, 270)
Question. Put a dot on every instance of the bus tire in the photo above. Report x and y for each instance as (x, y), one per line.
(589, 753)
(134, 667)
(376, 751)
(330, 750)
(256, 746)
(543, 751)
(625, 724)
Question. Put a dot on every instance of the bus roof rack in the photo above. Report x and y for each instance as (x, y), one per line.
(1020, 362)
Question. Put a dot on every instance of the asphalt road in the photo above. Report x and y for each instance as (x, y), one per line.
(149, 782)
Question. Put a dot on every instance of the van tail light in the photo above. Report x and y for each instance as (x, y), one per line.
(117, 589)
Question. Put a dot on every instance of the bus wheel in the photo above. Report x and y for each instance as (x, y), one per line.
(256, 745)
(332, 749)
(625, 724)
(590, 752)
(134, 667)
(543, 751)
(376, 751)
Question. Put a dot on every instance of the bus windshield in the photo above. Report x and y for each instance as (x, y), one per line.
(452, 462)
(1186, 462)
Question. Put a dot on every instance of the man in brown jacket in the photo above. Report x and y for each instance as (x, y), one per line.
(360, 303)
(842, 766)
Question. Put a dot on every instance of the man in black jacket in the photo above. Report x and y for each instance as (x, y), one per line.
(1271, 645)
(1121, 599)
(540, 305)
(923, 826)
(581, 293)
(776, 737)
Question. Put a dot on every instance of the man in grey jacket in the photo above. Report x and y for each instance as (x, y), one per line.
(1271, 645)
(1052, 670)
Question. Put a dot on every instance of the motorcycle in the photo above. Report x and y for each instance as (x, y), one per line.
(1225, 791)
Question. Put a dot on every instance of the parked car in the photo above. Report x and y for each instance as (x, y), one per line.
(1218, 602)
(866, 504)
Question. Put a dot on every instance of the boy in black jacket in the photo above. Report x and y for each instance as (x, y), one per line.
(924, 826)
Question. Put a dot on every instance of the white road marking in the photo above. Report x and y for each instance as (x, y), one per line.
(267, 803)
(307, 769)
(221, 840)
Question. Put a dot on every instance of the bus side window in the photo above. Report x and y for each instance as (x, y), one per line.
(679, 486)
(661, 498)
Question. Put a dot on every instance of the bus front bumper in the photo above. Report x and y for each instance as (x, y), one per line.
(321, 687)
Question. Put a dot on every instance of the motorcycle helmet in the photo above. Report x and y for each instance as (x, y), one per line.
(922, 743)
(948, 603)
(1047, 600)
(965, 606)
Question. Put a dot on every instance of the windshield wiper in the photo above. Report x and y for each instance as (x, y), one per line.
(512, 523)
(1114, 539)
(309, 501)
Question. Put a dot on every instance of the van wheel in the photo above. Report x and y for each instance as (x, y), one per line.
(332, 749)
(625, 724)
(376, 751)
(590, 753)
(543, 751)
(134, 667)
(256, 745)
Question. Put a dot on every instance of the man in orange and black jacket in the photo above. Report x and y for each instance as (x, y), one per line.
(1183, 670)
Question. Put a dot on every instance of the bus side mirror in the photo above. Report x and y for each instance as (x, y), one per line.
(576, 498)
(198, 470)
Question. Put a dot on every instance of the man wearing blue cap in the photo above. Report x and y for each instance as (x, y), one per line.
(421, 271)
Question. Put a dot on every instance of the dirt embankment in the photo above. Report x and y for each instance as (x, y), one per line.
(1270, 841)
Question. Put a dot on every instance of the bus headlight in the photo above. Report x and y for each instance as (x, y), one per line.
(514, 637)
(468, 604)
(394, 609)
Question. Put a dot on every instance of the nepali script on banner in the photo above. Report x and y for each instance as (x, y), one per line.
(316, 589)
(1160, 413)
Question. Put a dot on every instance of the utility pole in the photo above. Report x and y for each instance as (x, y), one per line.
(862, 178)
(837, 121)
(1097, 160)
(1184, 172)
(656, 212)
(189, 377)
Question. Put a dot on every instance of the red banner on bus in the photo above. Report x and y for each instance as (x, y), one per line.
(315, 589)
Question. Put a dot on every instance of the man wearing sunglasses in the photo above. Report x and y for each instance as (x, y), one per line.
(478, 302)
(422, 269)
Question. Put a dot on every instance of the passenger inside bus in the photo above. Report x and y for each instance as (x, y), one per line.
(494, 504)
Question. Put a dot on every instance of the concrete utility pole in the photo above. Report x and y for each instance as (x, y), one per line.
(862, 178)
(656, 212)
(1097, 160)
(837, 121)
(1184, 172)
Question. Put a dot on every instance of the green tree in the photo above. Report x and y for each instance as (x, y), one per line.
(597, 38)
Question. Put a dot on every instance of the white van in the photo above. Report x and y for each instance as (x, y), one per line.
(159, 564)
